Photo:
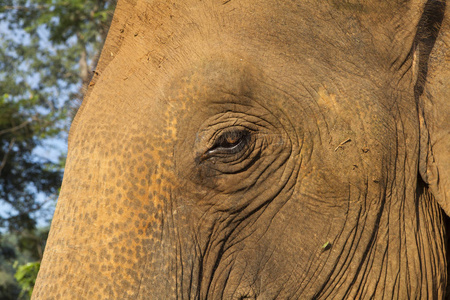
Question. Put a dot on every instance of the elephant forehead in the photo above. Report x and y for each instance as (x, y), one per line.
(289, 27)
(161, 40)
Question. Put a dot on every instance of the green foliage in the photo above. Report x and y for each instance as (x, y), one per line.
(58, 42)
(17, 275)
(23, 174)
(26, 277)
(9, 289)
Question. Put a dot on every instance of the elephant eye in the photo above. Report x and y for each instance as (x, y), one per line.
(229, 142)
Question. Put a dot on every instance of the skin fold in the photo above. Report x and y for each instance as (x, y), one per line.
(259, 150)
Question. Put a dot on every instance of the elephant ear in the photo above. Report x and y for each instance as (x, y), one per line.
(433, 95)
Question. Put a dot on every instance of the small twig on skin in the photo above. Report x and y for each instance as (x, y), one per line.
(342, 143)
(326, 246)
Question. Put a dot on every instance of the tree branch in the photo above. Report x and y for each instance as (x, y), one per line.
(21, 7)
(5, 158)
(20, 126)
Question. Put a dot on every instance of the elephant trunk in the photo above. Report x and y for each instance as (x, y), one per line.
(116, 233)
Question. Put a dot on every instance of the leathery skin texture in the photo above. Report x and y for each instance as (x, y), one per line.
(259, 150)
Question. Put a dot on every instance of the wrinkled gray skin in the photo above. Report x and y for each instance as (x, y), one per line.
(259, 149)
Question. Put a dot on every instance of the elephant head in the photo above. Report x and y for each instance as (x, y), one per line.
(232, 149)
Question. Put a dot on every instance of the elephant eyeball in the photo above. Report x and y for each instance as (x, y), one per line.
(229, 142)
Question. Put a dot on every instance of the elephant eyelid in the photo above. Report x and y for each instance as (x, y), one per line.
(228, 143)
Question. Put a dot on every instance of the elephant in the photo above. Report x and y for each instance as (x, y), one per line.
(232, 149)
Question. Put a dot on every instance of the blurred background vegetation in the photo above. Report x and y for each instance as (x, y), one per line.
(48, 52)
